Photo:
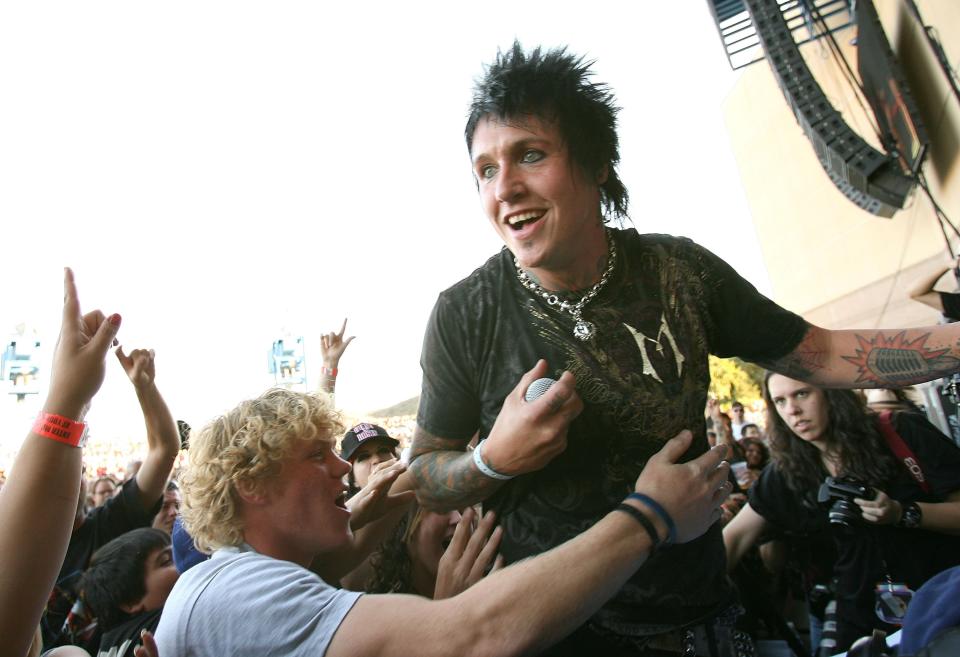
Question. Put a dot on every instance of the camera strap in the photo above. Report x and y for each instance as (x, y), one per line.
(902, 451)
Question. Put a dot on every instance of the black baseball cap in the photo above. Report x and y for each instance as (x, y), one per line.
(362, 433)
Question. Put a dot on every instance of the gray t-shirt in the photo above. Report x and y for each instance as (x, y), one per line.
(241, 602)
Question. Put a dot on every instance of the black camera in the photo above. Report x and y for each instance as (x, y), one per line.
(843, 490)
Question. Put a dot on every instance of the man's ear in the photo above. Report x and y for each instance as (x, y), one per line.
(250, 492)
(603, 174)
(135, 608)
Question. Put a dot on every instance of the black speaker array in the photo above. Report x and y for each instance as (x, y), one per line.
(869, 178)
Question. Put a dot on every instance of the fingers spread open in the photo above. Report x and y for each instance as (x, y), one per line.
(719, 475)
(479, 538)
(710, 460)
(675, 448)
(487, 554)
(461, 534)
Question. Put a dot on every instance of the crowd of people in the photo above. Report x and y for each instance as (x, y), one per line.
(569, 489)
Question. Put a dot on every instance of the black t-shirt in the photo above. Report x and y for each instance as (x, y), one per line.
(122, 639)
(117, 516)
(912, 556)
(643, 378)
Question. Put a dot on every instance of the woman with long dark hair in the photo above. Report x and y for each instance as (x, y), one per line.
(893, 508)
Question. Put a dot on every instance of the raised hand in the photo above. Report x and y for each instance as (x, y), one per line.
(332, 346)
(691, 492)
(373, 501)
(470, 553)
(713, 409)
(528, 435)
(139, 366)
(79, 357)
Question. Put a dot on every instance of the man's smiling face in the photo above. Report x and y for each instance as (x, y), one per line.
(541, 203)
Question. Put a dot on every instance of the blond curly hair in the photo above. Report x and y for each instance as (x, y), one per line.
(247, 445)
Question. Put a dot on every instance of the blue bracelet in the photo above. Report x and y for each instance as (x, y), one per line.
(644, 522)
(660, 511)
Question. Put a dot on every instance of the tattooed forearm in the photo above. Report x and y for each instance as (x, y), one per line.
(446, 475)
(806, 360)
(899, 360)
(872, 359)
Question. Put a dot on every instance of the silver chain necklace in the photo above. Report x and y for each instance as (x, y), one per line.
(582, 329)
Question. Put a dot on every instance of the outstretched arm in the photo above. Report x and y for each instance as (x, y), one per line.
(163, 439)
(39, 500)
(525, 437)
(872, 358)
(741, 534)
(525, 607)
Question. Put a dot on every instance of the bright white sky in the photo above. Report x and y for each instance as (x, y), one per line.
(221, 172)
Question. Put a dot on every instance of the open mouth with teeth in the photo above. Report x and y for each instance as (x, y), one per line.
(522, 219)
(341, 500)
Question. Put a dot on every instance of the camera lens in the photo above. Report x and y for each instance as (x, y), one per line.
(844, 512)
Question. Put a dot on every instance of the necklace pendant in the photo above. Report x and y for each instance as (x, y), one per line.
(584, 330)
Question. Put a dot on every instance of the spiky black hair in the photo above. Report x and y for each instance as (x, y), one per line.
(556, 86)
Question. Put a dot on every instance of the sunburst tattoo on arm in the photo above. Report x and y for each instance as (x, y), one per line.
(898, 361)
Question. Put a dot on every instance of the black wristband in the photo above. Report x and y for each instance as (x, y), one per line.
(644, 521)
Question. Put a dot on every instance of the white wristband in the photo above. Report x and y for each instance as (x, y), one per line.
(486, 469)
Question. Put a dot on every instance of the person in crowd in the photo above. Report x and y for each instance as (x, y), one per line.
(365, 447)
(126, 586)
(737, 420)
(38, 505)
(751, 431)
(135, 505)
(720, 423)
(414, 560)
(102, 489)
(332, 346)
(632, 316)
(264, 489)
(892, 505)
(756, 455)
(169, 508)
(352, 566)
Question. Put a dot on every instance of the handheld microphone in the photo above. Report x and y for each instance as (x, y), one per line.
(537, 388)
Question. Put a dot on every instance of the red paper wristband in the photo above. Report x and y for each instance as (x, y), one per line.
(59, 428)
(332, 373)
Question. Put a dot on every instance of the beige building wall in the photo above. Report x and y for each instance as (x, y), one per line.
(835, 264)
